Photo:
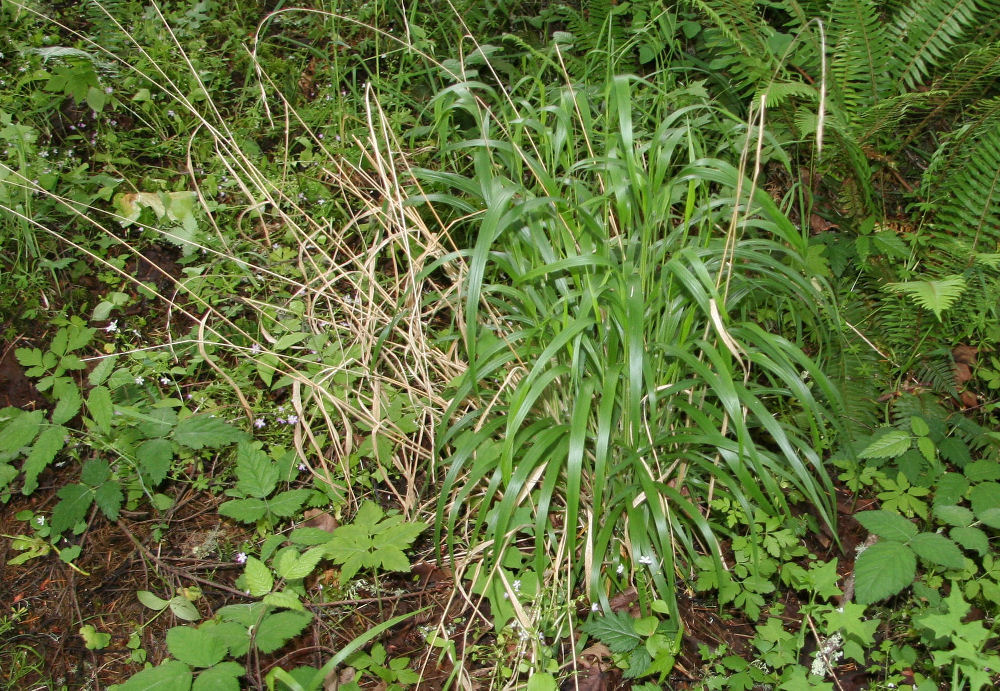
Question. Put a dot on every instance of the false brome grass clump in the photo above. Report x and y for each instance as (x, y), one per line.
(633, 316)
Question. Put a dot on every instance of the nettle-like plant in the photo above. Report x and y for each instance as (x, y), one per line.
(624, 307)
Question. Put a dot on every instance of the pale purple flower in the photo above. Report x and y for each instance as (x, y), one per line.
(241, 557)
(259, 423)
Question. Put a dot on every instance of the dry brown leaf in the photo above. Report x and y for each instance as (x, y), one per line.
(316, 518)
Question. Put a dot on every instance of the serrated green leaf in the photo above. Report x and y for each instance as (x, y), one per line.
(983, 470)
(224, 676)
(154, 456)
(68, 401)
(284, 599)
(990, 517)
(182, 608)
(109, 498)
(303, 565)
(927, 448)
(972, 539)
(287, 503)
(100, 408)
(883, 570)
(172, 675)
(937, 549)
(152, 601)
(279, 628)
(245, 510)
(886, 524)
(888, 445)
(206, 431)
(390, 559)
(936, 296)
(307, 537)
(74, 500)
(196, 647)
(953, 515)
(256, 473)
(615, 630)
(258, 578)
(951, 488)
(399, 536)
(29, 357)
(49, 443)
(100, 373)
(21, 430)
(984, 498)
(919, 426)
(95, 472)
(955, 451)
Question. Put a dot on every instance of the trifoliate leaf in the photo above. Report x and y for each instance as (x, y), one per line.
(245, 510)
(937, 549)
(196, 647)
(92, 639)
(201, 431)
(256, 473)
(615, 630)
(972, 539)
(279, 628)
(224, 676)
(154, 456)
(883, 570)
(888, 445)
(74, 500)
(301, 566)
(172, 675)
(257, 577)
(49, 443)
(886, 524)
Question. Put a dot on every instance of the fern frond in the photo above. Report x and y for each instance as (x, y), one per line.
(970, 192)
(936, 296)
(739, 41)
(860, 53)
(926, 33)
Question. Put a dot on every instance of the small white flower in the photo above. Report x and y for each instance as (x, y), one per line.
(620, 570)
(303, 467)
(112, 327)
(594, 607)
(140, 381)
(259, 423)
(516, 585)
(292, 419)
(241, 558)
(40, 520)
(645, 559)
(165, 381)
(171, 113)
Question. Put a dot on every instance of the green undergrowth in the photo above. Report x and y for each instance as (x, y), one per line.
(585, 304)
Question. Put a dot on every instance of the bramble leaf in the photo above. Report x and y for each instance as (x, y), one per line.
(883, 570)
(49, 443)
(109, 499)
(279, 628)
(615, 630)
(154, 456)
(257, 577)
(224, 676)
(100, 407)
(196, 647)
(74, 500)
(287, 503)
(256, 473)
(886, 524)
(937, 549)
(172, 675)
(200, 431)
(972, 539)
(889, 445)
(245, 510)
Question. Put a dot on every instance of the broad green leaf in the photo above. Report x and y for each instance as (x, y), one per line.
(953, 515)
(245, 510)
(99, 374)
(301, 566)
(7, 474)
(67, 401)
(883, 570)
(951, 488)
(256, 473)
(886, 524)
(541, 681)
(224, 676)
(182, 608)
(196, 647)
(257, 577)
(955, 451)
(100, 408)
(936, 296)
(172, 675)
(284, 599)
(888, 445)
(985, 500)
(74, 500)
(279, 628)
(201, 431)
(919, 426)
(95, 472)
(937, 549)
(615, 630)
(972, 539)
(20, 430)
(49, 443)
(287, 503)
(154, 456)
(152, 601)
(109, 498)
(307, 537)
(980, 471)
(927, 448)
